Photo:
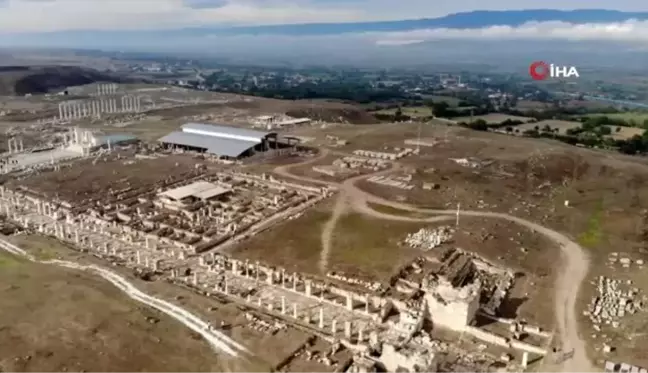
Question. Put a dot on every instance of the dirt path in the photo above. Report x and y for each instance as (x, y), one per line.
(218, 341)
(329, 228)
(575, 262)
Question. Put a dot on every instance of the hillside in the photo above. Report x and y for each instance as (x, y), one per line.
(21, 80)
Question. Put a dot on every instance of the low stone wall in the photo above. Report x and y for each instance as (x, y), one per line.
(504, 342)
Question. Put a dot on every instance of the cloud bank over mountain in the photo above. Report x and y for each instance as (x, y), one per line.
(316, 28)
(119, 15)
(632, 31)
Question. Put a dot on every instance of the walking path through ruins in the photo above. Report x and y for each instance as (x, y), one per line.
(570, 277)
(218, 341)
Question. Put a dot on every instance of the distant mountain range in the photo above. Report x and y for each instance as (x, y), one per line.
(466, 20)
(197, 38)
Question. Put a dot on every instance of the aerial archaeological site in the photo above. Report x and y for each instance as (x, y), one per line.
(155, 228)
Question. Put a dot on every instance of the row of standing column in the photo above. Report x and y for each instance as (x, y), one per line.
(60, 230)
(307, 318)
(75, 110)
(107, 89)
(15, 145)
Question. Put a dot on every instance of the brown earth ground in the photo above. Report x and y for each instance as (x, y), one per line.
(605, 191)
(373, 250)
(55, 319)
(531, 178)
(268, 350)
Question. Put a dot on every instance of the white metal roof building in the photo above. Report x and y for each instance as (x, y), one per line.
(224, 141)
(200, 189)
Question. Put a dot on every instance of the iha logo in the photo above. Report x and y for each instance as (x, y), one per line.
(540, 70)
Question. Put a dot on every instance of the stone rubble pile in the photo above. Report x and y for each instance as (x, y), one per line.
(373, 286)
(427, 239)
(264, 326)
(615, 299)
(624, 261)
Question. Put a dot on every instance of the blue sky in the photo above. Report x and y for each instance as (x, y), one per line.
(58, 15)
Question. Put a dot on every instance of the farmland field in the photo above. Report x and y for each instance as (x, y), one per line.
(637, 116)
(624, 133)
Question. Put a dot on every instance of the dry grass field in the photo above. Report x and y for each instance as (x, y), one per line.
(365, 247)
(267, 350)
(62, 320)
(624, 133)
(532, 178)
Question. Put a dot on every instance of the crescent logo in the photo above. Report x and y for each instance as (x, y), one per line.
(539, 70)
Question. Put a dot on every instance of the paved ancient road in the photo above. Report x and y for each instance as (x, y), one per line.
(218, 341)
(575, 262)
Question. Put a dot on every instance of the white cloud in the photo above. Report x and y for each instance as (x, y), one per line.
(630, 31)
(58, 15)
(51, 15)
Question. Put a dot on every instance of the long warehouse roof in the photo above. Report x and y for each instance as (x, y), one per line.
(215, 145)
(199, 189)
(224, 131)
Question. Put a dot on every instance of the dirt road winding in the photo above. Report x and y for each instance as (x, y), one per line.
(575, 262)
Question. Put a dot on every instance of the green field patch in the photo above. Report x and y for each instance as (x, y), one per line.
(8, 261)
(594, 234)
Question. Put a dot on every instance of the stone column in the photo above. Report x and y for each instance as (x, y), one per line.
(321, 318)
(334, 326)
(347, 329)
(270, 278)
(349, 302)
(283, 305)
(525, 359)
(308, 288)
(295, 310)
